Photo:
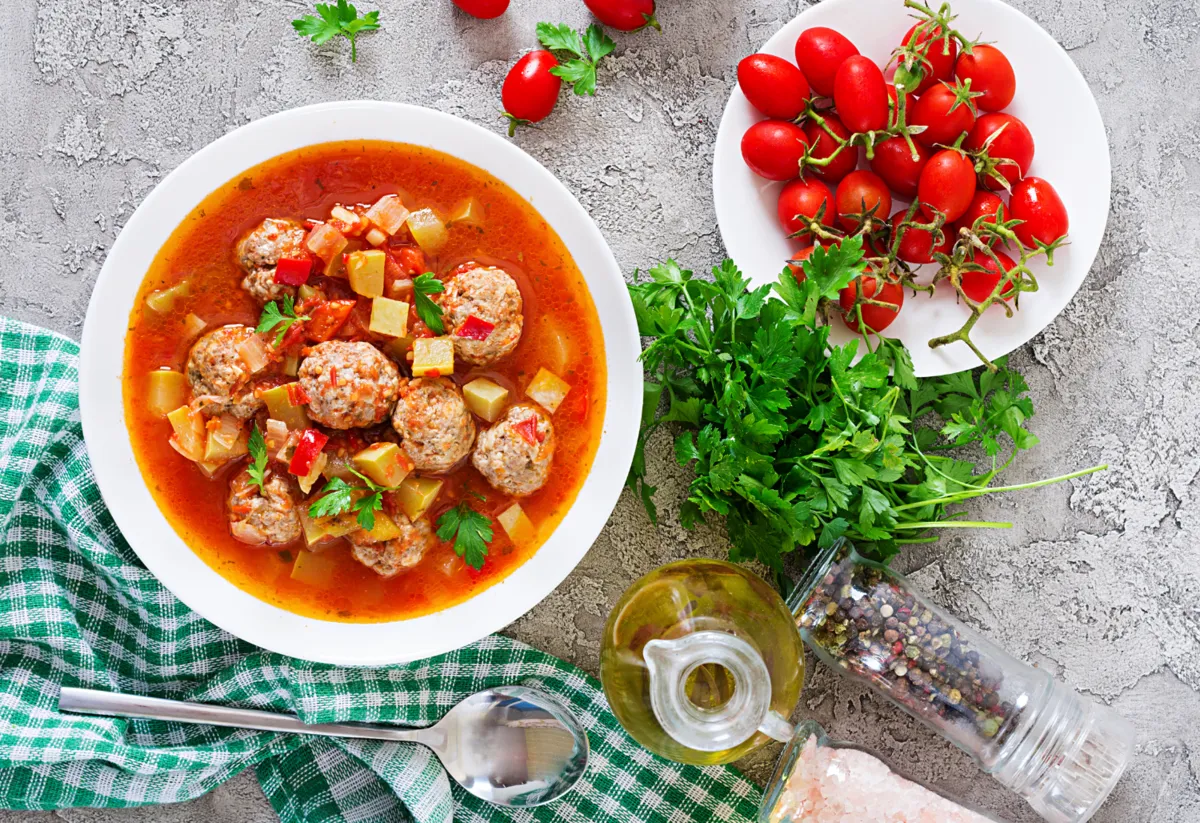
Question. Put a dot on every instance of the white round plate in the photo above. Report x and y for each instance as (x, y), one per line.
(135, 510)
(1071, 151)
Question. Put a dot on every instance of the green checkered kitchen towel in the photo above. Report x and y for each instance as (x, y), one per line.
(77, 608)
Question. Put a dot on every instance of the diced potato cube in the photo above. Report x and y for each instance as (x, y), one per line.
(388, 213)
(365, 270)
(433, 357)
(385, 463)
(167, 390)
(385, 528)
(315, 568)
(547, 390)
(280, 407)
(485, 398)
(389, 317)
(417, 495)
(226, 440)
(190, 435)
(326, 242)
(428, 230)
(468, 213)
(517, 524)
(322, 530)
(376, 237)
(163, 300)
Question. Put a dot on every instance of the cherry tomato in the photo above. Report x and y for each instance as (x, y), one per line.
(773, 148)
(773, 86)
(945, 112)
(530, 90)
(947, 183)
(1013, 143)
(823, 146)
(989, 72)
(941, 62)
(820, 52)
(860, 95)
(894, 112)
(986, 205)
(916, 245)
(804, 197)
(624, 15)
(979, 285)
(875, 318)
(483, 9)
(1037, 203)
(893, 161)
(862, 192)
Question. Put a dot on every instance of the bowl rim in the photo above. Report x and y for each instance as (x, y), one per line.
(147, 529)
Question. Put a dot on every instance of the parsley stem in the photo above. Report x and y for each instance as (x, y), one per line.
(954, 524)
(967, 495)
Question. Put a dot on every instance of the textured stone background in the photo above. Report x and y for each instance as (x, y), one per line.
(1099, 581)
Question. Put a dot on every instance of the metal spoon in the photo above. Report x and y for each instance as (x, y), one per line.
(511, 745)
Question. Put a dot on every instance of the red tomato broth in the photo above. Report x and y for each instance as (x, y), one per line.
(305, 184)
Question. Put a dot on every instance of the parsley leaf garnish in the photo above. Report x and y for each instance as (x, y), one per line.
(258, 458)
(585, 51)
(470, 531)
(336, 20)
(339, 497)
(272, 317)
(429, 312)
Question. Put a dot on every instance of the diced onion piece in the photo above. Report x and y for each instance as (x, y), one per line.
(210, 470)
(226, 440)
(389, 317)
(163, 300)
(558, 345)
(449, 564)
(309, 480)
(325, 242)
(365, 271)
(376, 237)
(385, 463)
(189, 433)
(193, 325)
(388, 213)
(166, 390)
(254, 354)
(485, 398)
(315, 569)
(468, 213)
(346, 221)
(428, 230)
(433, 357)
(417, 495)
(385, 528)
(517, 524)
(291, 365)
(547, 390)
(277, 434)
(339, 465)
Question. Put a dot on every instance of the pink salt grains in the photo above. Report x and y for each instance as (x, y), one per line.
(832, 785)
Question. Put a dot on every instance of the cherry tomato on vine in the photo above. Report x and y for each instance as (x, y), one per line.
(979, 285)
(945, 111)
(530, 90)
(947, 183)
(804, 197)
(624, 15)
(820, 52)
(773, 86)
(875, 318)
(483, 9)
(773, 148)
(1013, 143)
(860, 193)
(860, 95)
(916, 245)
(986, 205)
(893, 161)
(1037, 203)
(823, 146)
(989, 72)
(941, 60)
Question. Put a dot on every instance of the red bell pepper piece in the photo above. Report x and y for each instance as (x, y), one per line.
(307, 450)
(293, 271)
(297, 396)
(327, 319)
(528, 429)
(475, 328)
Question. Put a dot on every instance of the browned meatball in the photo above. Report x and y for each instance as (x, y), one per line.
(491, 295)
(505, 456)
(390, 557)
(432, 419)
(265, 516)
(350, 385)
(259, 252)
(220, 378)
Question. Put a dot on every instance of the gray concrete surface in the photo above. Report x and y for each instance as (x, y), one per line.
(1099, 580)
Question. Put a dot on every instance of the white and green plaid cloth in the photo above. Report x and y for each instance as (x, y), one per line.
(77, 608)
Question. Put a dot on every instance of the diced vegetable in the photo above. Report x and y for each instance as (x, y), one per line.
(307, 292)
(327, 319)
(276, 436)
(293, 271)
(365, 270)
(559, 346)
(517, 524)
(475, 328)
(280, 407)
(385, 463)
(346, 221)
(339, 465)
(528, 429)
(314, 474)
(428, 230)
(227, 439)
(310, 445)
(468, 213)
(210, 470)
(417, 495)
(190, 434)
(319, 532)
(194, 325)
(388, 213)
(254, 354)
(315, 568)
(433, 357)
(325, 242)
(291, 365)
(163, 300)
(485, 398)
(547, 390)
(385, 528)
(376, 237)
(167, 390)
(398, 349)
(389, 317)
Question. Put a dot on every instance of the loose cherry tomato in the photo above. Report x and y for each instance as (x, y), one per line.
(945, 111)
(804, 196)
(773, 86)
(820, 52)
(1037, 203)
(861, 193)
(1014, 143)
(773, 148)
(483, 9)
(893, 161)
(823, 146)
(941, 60)
(947, 183)
(979, 285)
(910, 100)
(986, 205)
(989, 72)
(875, 318)
(624, 15)
(530, 90)
(916, 245)
(860, 95)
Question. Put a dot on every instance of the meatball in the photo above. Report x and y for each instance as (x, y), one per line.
(505, 456)
(349, 384)
(491, 295)
(390, 557)
(265, 516)
(431, 418)
(260, 251)
(219, 377)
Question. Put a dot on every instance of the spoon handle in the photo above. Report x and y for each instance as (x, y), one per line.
(115, 704)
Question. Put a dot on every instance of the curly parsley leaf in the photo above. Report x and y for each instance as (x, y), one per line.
(585, 53)
(258, 457)
(429, 312)
(339, 20)
(470, 531)
(273, 317)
